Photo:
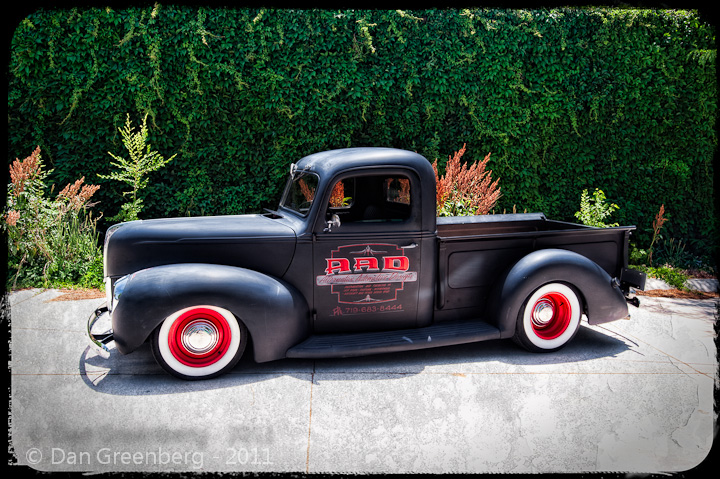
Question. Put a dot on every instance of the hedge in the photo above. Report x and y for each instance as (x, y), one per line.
(564, 100)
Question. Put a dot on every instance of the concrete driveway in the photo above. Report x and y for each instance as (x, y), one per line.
(631, 395)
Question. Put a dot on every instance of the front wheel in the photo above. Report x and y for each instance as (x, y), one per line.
(199, 342)
(549, 318)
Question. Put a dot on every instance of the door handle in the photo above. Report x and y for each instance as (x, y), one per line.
(410, 246)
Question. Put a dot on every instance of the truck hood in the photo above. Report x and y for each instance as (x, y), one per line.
(250, 241)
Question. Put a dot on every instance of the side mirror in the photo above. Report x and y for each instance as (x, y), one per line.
(334, 221)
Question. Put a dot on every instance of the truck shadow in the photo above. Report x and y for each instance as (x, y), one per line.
(138, 374)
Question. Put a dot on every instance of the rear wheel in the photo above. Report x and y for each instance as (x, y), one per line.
(549, 318)
(199, 342)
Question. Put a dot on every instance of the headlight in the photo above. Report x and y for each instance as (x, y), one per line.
(108, 234)
(118, 290)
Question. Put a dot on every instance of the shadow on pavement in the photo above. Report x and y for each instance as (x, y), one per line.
(138, 374)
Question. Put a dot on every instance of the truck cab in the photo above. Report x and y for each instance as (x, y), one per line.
(371, 236)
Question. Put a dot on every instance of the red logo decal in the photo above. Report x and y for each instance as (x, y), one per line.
(370, 273)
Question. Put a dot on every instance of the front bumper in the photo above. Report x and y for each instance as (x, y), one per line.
(99, 330)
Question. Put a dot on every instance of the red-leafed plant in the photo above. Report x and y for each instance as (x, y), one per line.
(50, 241)
(465, 190)
(658, 223)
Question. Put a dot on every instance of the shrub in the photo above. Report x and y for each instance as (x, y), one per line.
(672, 276)
(637, 255)
(463, 190)
(594, 211)
(134, 171)
(50, 241)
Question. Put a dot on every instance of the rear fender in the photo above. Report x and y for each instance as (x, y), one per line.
(276, 315)
(600, 294)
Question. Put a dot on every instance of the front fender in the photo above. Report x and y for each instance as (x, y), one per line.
(276, 315)
(602, 297)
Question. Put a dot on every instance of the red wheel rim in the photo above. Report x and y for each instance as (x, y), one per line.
(199, 337)
(550, 315)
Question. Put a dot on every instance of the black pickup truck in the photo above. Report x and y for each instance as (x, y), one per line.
(353, 262)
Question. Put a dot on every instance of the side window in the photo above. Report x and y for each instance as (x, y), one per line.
(397, 190)
(342, 195)
(371, 199)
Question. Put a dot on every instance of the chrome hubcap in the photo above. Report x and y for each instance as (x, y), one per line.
(200, 336)
(543, 313)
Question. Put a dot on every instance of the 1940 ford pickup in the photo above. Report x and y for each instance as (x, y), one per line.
(353, 262)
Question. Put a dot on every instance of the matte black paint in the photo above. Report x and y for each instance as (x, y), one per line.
(251, 241)
(360, 344)
(603, 300)
(275, 314)
(473, 273)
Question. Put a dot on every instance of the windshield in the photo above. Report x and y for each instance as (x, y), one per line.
(301, 192)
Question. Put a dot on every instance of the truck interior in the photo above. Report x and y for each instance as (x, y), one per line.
(376, 198)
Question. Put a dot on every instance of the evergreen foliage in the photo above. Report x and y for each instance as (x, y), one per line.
(565, 99)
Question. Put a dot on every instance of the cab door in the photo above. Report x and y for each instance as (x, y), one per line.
(367, 265)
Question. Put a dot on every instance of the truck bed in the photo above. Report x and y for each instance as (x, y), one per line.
(475, 251)
(460, 226)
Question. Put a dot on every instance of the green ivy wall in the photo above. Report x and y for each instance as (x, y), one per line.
(565, 99)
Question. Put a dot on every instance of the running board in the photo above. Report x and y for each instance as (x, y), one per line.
(360, 344)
